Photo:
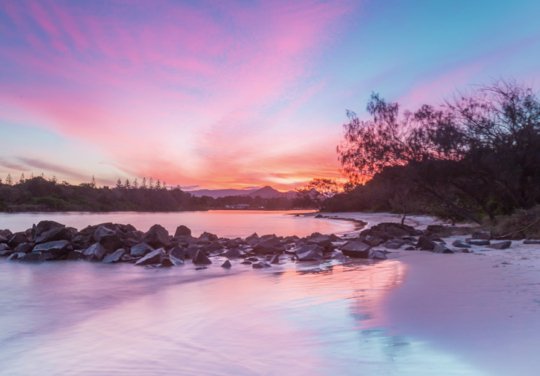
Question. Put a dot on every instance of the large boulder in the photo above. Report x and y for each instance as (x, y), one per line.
(178, 253)
(324, 241)
(356, 249)
(44, 226)
(234, 253)
(153, 257)
(309, 252)
(268, 244)
(157, 236)
(182, 231)
(208, 237)
(200, 258)
(114, 257)
(227, 264)
(53, 250)
(501, 245)
(425, 243)
(139, 250)
(479, 242)
(460, 244)
(95, 252)
(24, 247)
(18, 238)
(109, 236)
(378, 254)
(55, 233)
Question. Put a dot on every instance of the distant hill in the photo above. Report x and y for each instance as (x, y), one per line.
(264, 192)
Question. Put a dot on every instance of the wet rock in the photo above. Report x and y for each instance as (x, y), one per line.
(139, 250)
(531, 241)
(246, 262)
(356, 249)
(324, 241)
(486, 235)
(252, 239)
(410, 248)
(178, 253)
(309, 252)
(378, 254)
(425, 243)
(268, 244)
(372, 240)
(157, 236)
(200, 258)
(260, 265)
(153, 257)
(44, 226)
(182, 231)
(103, 231)
(24, 247)
(201, 268)
(208, 237)
(95, 252)
(234, 253)
(479, 242)
(16, 256)
(5, 235)
(274, 260)
(394, 243)
(460, 244)
(441, 248)
(114, 257)
(389, 230)
(17, 238)
(501, 245)
(75, 255)
(227, 264)
(55, 249)
(57, 233)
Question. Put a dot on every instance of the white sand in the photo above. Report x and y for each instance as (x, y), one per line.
(483, 307)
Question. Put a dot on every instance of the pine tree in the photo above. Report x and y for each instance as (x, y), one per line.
(119, 183)
(127, 184)
(158, 184)
(143, 183)
(93, 182)
(135, 183)
(9, 181)
(22, 179)
(151, 183)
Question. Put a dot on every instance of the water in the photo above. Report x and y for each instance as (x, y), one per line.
(79, 318)
(226, 223)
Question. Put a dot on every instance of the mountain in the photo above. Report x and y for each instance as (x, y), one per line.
(264, 192)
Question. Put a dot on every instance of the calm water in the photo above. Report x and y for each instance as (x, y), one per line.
(227, 223)
(80, 318)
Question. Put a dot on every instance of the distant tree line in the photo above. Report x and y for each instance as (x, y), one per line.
(473, 158)
(40, 194)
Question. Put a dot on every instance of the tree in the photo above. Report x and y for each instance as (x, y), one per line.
(135, 183)
(9, 181)
(127, 184)
(143, 185)
(119, 184)
(22, 179)
(93, 182)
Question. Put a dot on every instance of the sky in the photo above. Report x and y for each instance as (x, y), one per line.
(233, 94)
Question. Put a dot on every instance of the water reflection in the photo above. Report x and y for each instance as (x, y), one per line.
(90, 319)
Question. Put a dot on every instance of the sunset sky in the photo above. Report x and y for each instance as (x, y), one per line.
(232, 93)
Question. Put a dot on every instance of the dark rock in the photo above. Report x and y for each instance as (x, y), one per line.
(324, 241)
(95, 252)
(252, 239)
(372, 240)
(260, 265)
(274, 260)
(441, 248)
(182, 231)
(252, 259)
(234, 253)
(208, 237)
(501, 245)
(480, 242)
(17, 238)
(394, 243)
(356, 249)
(5, 235)
(57, 233)
(389, 230)
(16, 256)
(227, 264)
(486, 235)
(178, 253)
(268, 244)
(45, 226)
(24, 247)
(425, 243)
(200, 258)
(377, 254)
(114, 257)
(213, 247)
(410, 248)
(55, 249)
(140, 250)
(75, 255)
(531, 241)
(153, 257)
(201, 268)
(246, 262)
(460, 244)
(175, 261)
(309, 252)
(103, 231)
(157, 236)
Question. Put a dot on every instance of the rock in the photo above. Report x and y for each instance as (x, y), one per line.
(394, 243)
(309, 252)
(260, 265)
(425, 243)
(480, 242)
(75, 255)
(55, 249)
(201, 268)
(377, 254)
(114, 257)
(227, 264)
(103, 231)
(485, 235)
(233, 253)
(460, 244)
(324, 241)
(157, 236)
(441, 231)
(139, 250)
(268, 244)
(16, 256)
(252, 239)
(531, 241)
(501, 245)
(389, 230)
(17, 238)
(57, 233)
(441, 248)
(45, 226)
(372, 240)
(153, 257)
(356, 249)
(208, 237)
(178, 253)
(24, 247)
(182, 231)
(200, 258)
(109, 237)
(274, 260)
(410, 248)
(246, 262)
(95, 252)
